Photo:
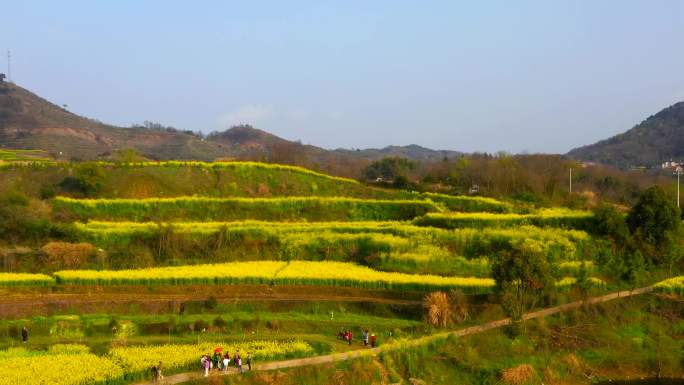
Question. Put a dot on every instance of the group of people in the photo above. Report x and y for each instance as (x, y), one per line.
(348, 336)
(219, 361)
(157, 372)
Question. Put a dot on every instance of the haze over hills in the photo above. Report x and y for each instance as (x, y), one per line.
(658, 138)
(28, 121)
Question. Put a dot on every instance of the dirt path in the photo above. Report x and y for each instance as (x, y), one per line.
(330, 358)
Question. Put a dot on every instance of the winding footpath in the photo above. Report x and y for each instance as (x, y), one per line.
(331, 358)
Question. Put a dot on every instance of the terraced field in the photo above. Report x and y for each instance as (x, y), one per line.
(211, 228)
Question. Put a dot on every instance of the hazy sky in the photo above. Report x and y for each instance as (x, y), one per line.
(538, 76)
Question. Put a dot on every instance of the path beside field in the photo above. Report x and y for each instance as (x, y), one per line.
(331, 358)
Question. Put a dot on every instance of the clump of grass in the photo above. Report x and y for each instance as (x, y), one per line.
(519, 375)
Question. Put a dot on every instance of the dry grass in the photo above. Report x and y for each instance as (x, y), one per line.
(68, 255)
(519, 375)
(438, 309)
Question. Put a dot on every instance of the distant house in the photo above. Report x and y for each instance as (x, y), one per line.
(671, 164)
(675, 167)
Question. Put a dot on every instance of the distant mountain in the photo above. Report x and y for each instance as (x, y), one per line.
(412, 151)
(28, 121)
(658, 138)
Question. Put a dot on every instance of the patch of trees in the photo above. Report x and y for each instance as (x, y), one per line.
(149, 125)
(649, 236)
(645, 241)
(538, 179)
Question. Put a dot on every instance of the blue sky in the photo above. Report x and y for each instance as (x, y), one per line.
(537, 76)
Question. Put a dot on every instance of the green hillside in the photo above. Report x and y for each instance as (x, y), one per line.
(658, 138)
(118, 263)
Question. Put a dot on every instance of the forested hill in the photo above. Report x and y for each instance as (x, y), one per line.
(28, 121)
(658, 138)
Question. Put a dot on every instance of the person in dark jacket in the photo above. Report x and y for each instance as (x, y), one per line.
(24, 334)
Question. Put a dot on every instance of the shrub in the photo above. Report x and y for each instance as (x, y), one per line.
(654, 222)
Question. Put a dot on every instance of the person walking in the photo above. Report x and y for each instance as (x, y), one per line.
(373, 340)
(24, 334)
(365, 338)
(239, 364)
(158, 376)
(206, 364)
(226, 362)
(249, 361)
(350, 337)
(219, 366)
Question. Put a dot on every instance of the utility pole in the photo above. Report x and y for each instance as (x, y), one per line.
(679, 172)
(570, 180)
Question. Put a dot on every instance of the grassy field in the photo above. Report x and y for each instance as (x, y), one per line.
(609, 342)
(23, 156)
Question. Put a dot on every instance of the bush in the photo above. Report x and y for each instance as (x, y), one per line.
(220, 323)
(609, 222)
(88, 179)
(655, 225)
(523, 279)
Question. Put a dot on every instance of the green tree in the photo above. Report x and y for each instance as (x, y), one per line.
(89, 178)
(523, 278)
(388, 168)
(609, 222)
(654, 221)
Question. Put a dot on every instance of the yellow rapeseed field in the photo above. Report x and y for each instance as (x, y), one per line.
(59, 369)
(672, 285)
(21, 279)
(277, 272)
(137, 359)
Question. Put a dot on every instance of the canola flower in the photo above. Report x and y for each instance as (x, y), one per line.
(238, 165)
(60, 369)
(273, 272)
(72, 364)
(394, 237)
(186, 356)
(569, 281)
(237, 208)
(557, 217)
(464, 203)
(673, 285)
(25, 279)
